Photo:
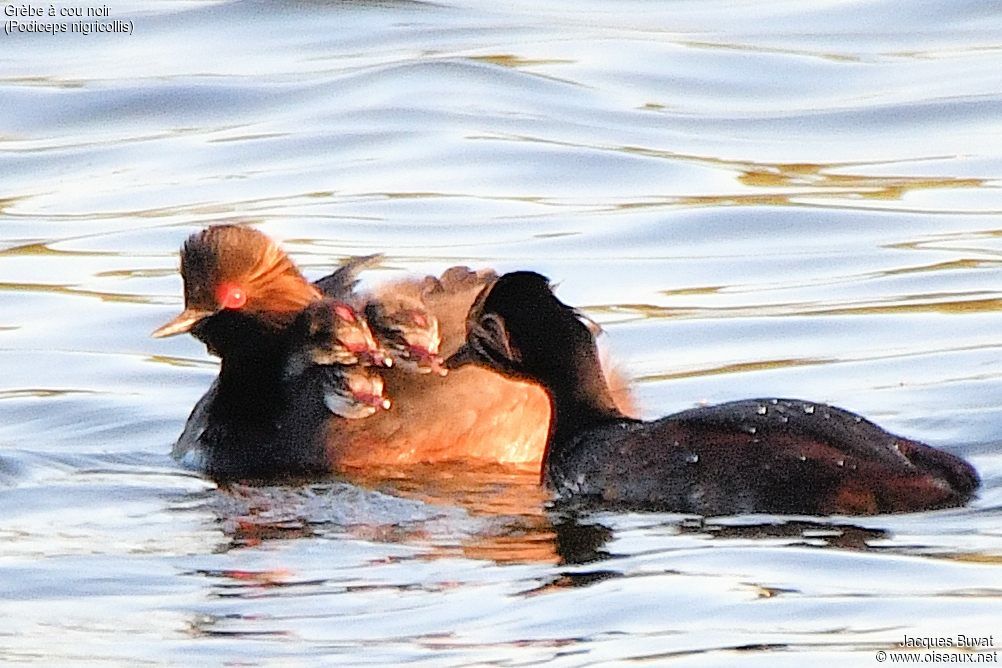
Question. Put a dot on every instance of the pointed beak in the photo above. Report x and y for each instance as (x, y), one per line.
(187, 319)
(462, 357)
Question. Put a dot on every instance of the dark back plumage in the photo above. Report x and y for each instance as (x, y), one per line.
(761, 455)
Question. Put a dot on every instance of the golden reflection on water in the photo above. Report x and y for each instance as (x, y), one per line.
(739, 367)
(49, 288)
(183, 362)
(136, 273)
(40, 248)
(975, 558)
(759, 48)
(814, 361)
(247, 137)
(943, 303)
(950, 265)
(44, 82)
(523, 531)
(523, 64)
(482, 490)
(797, 180)
(7, 202)
(512, 519)
(818, 176)
(815, 181)
(511, 60)
(45, 393)
(508, 514)
(948, 242)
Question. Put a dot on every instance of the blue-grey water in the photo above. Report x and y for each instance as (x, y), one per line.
(774, 198)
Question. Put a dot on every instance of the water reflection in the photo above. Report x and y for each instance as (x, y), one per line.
(46, 249)
(50, 288)
(946, 303)
(496, 514)
(831, 534)
(868, 186)
(791, 183)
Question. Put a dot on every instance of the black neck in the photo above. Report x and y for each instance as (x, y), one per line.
(579, 397)
(253, 359)
(250, 389)
(263, 424)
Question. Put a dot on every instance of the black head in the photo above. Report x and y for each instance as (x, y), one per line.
(519, 328)
(234, 277)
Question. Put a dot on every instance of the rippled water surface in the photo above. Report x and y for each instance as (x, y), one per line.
(782, 198)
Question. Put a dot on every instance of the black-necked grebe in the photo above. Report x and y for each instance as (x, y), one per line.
(298, 363)
(758, 455)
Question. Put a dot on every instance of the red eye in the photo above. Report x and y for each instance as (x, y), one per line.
(231, 296)
(344, 312)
